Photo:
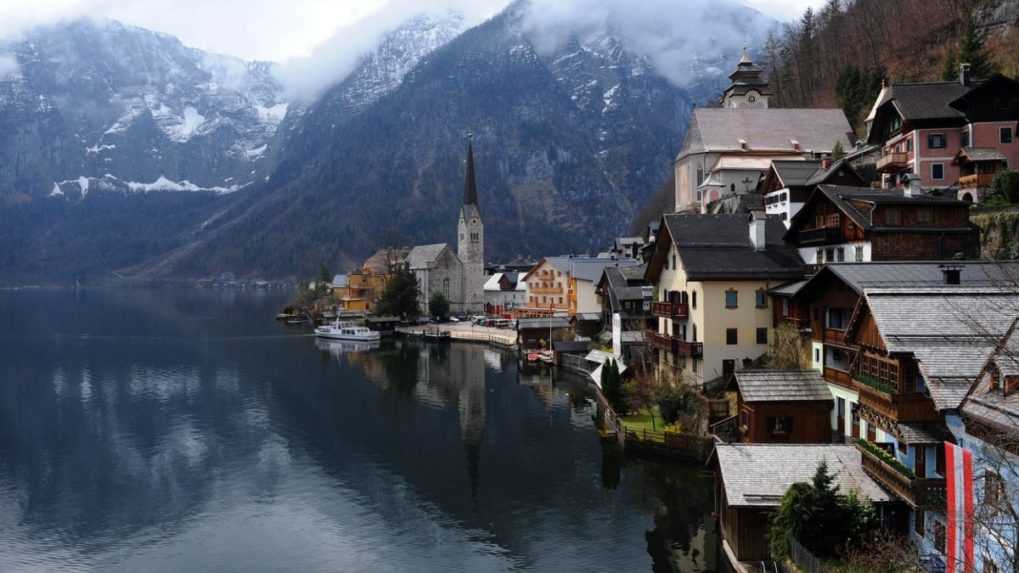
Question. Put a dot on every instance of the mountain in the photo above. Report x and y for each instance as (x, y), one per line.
(104, 125)
(97, 105)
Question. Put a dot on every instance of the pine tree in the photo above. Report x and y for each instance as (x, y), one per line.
(438, 306)
(971, 50)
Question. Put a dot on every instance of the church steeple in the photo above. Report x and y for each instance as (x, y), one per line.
(749, 88)
(470, 183)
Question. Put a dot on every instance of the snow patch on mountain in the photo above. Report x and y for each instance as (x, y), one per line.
(164, 184)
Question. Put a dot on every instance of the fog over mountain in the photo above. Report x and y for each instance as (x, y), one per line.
(123, 150)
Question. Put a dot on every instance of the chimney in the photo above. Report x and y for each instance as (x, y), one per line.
(913, 186)
(964, 76)
(758, 233)
(826, 163)
(952, 274)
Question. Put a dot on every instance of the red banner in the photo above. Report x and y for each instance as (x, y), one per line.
(959, 537)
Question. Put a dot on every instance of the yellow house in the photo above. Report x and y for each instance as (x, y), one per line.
(359, 290)
(711, 275)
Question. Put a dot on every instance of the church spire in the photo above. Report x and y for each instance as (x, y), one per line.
(470, 185)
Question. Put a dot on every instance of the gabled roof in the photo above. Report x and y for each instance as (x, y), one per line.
(914, 275)
(979, 154)
(764, 130)
(842, 197)
(758, 475)
(988, 404)
(926, 100)
(794, 173)
(717, 246)
(587, 269)
(782, 386)
(424, 256)
(383, 259)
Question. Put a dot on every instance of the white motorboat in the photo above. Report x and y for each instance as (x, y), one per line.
(347, 331)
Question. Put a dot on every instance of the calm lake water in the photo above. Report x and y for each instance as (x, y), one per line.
(170, 430)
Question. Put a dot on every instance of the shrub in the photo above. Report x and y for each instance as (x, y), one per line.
(1006, 187)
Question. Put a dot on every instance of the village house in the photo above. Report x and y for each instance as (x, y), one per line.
(900, 345)
(787, 185)
(360, 290)
(727, 149)
(567, 286)
(625, 293)
(955, 134)
(859, 224)
(987, 424)
(782, 406)
(711, 275)
(504, 293)
(752, 478)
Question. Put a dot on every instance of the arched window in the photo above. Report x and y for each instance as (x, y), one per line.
(445, 288)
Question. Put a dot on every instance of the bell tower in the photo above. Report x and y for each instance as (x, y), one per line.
(471, 239)
(749, 89)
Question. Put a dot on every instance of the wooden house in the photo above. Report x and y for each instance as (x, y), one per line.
(782, 406)
(857, 224)
(752, 478)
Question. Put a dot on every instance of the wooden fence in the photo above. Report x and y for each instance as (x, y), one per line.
(672, 444)
(804, 559)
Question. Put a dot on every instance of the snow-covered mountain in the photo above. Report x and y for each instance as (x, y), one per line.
(100, 105)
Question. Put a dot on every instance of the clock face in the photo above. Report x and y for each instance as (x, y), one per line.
(752, 98)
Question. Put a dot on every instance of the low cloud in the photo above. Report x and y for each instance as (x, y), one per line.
(676, 36)
(8, 65)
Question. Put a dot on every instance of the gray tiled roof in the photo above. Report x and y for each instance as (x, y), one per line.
(782, 386)
(718, 246)
(915, 433)
(982, 154)
(951, 331)
(789, 289)
(991, 405)
(908, 274)
(927, 100)
(758, 475)
(794, 173)
(424, 256)
(588, 268)
(721, 129)
(539, 323)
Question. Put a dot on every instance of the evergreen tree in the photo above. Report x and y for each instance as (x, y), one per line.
(400, 298)
(612, 386)
(971, 50)
(837, 152)
(950, 72)
(438, 306)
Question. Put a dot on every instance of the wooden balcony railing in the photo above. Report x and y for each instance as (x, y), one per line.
(840, 377)
(891, 162)
(834, 335)
(912, 407)
(547, 290)
(976, 181)
(673, 310)
(820, 235)
(674, 345)
(922, 493)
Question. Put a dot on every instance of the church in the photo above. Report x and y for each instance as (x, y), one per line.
(459, 275)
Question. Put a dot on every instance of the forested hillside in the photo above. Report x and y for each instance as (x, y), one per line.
(837, 56)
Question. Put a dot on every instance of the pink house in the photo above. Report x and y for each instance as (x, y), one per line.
(951, 134)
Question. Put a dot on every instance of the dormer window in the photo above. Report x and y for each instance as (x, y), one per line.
(743, 144)
(795, 144)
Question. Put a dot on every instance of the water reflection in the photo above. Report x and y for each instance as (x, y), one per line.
(184, 431)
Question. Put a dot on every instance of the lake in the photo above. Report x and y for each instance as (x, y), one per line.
(184, 430)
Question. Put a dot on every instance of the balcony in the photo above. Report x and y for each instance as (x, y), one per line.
(820, 236)
(672, 310)
(980, 181)
(674, 345)
(919, 493)
(834, 336)
(893, 162)
(547, 290)
(912, 407)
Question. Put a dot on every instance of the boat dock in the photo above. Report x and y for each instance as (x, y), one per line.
(501, 337)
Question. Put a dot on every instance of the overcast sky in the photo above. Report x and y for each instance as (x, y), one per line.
(275, 30)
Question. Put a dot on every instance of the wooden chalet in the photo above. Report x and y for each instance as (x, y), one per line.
(853, 224)
(782, 406)
(787, 184)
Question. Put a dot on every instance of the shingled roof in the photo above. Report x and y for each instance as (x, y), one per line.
(782, 386)
(779, 130)
(717, 246)
(758, 475)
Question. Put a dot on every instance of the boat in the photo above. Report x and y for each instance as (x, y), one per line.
(347, 331)
(298, 320)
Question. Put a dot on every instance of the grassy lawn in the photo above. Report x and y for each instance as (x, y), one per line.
(642, 421)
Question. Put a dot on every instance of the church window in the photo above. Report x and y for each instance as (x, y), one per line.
(445, 288)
